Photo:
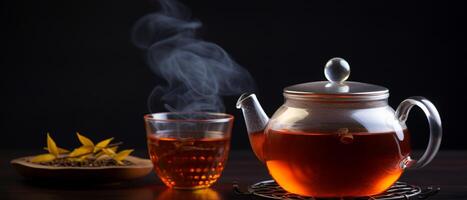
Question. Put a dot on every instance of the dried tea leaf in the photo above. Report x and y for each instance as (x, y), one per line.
(52, 146)
(108, 151)
(84, 140)
(122, 155)
(102, 144)
(60, 150)
(99, 154)
(119, 162)
(63, 151)
(43, 158)
(82, 158)
(81, 151)
(74, 159)
(114, 149)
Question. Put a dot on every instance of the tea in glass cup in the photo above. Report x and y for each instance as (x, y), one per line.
(188, 150)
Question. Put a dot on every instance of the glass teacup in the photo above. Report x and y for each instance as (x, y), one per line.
(189, 150)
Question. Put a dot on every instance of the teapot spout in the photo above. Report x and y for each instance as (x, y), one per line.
(255, 118)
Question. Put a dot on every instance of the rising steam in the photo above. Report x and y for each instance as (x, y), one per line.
(197, 73)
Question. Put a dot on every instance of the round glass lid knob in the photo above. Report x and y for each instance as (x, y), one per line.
(337, 70)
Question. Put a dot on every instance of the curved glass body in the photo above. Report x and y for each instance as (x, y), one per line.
(335, 148)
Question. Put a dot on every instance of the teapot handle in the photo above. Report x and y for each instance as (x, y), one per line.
(434, 121)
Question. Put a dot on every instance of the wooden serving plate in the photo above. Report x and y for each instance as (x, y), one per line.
(105, 174)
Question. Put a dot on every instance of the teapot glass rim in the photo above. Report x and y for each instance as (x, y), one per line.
(344, 97)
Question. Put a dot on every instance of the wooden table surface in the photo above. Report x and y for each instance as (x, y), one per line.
(448, 171)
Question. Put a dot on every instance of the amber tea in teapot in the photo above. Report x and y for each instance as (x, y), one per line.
(337, 138)
(257, 142)
(348, 164)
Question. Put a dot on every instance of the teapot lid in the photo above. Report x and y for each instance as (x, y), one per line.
(337, 71)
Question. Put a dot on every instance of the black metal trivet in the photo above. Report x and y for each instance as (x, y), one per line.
(400, 190)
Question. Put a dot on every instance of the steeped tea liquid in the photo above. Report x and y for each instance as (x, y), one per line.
(189, 163)
(257, 142)
(330, 165)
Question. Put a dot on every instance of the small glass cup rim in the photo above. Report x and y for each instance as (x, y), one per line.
(223, 117)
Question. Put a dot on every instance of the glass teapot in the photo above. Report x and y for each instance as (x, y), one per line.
(337, 138)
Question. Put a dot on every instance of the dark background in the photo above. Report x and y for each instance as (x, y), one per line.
(70, 66)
